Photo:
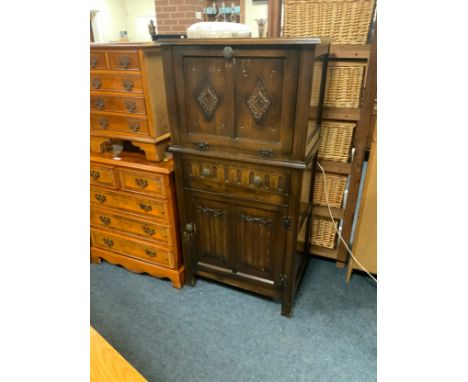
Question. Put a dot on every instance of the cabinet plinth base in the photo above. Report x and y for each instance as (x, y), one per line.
(138, 266)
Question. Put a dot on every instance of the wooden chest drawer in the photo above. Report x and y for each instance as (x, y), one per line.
(124, 60)
(97, 60)
(145, 183)
(132, 247)
(133, 105)
(109, 122)
(132, 225)
(240, 179)
(116, 82)
(103, 176)
(132, 203)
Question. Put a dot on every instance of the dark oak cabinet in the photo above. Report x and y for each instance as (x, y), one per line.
(243, 146)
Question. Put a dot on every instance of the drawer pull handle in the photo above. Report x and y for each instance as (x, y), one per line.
(150, 253)
(145, 207)
(142, 183)
(95, 174)
(127, 84)
(149, 231)
(265, 153)
(103, 123)
(253, 219)
(201, 146)
(93, 62)
(108, 242)
(216, 212)
(100, 198)
(228, 52)
(99, 103)
(96, 83)
(257, 180)
(105, 220)
(130, 106)
(134, 126)
(124, 61)
(206, 172)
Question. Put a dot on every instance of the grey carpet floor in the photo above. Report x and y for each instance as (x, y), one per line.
(217, 333)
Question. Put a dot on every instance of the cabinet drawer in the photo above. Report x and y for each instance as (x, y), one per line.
(124, 60)
(116, 82)
(146, 183)
(239, 179)
(133, 105)
(103, 176)
(102, 121)
(97, 60)
(131, 203)
(128, 224)
(134, 248)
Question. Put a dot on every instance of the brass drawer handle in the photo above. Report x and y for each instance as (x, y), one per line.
(150, 253)
(127, 84)
(228, 52)
(206, 172)
(201, 146)
(99, 103)
(105, 220)
(134, 126)
(257, 180)
(253, 219)
(103, 123)
(93, 62)
(149, 231)
(108, 242)
(265, 153)
(96, 83)
(145, 207)
(95, 174)
(100, 198)
(212, 211)
(124, 61)
(142, 183)
(130, 106)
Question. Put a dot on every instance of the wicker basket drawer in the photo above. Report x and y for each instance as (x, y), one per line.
(336, 185)
(344, 21)
(103, 176)
(323, 233)
(134, 248)
(335, 140)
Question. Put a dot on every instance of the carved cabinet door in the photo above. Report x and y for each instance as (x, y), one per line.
(236, 98)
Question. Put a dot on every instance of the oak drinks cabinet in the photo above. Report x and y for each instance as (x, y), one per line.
(242, 147)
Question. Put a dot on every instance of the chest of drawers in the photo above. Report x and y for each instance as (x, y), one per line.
(128, 98)
(243, 147)
(133, 215)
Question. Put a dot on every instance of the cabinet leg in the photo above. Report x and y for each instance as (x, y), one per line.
(95, 259)
(349, 271)
(286, 309)
(153, 151)
(340, 264)
(98, 144)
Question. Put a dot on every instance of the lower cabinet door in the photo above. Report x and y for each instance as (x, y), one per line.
(244, 238)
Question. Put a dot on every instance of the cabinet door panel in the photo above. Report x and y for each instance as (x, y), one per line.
(260, 241)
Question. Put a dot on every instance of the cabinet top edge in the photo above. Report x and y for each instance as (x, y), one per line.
(246, 41)
(125, 45)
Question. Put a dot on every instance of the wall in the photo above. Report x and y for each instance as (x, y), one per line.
(174, 16)
(259, 10)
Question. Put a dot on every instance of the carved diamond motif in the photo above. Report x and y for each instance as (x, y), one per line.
(259, 101)
(208, 99)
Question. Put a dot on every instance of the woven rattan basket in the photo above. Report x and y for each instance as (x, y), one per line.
(323, 233)
(336, 185)
(343, 21)
(345, 80)
(335, 140)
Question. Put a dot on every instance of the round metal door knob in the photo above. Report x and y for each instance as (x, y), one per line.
(228, 52)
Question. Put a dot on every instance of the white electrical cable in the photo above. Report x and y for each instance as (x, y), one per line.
(334, 225)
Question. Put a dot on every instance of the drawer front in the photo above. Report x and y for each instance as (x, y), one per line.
(148, 252)
(237, 179)
(97, 60)
(147, 230)
(117, 83)
(121, 124)
(131, 203)
(124, 60)
(146, 183)
(132, 105)
(102, 176)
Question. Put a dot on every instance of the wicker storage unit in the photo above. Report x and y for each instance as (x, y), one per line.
(344, 21)
(335, 140)
(345, 80)
(323, 233)
(336, 185)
